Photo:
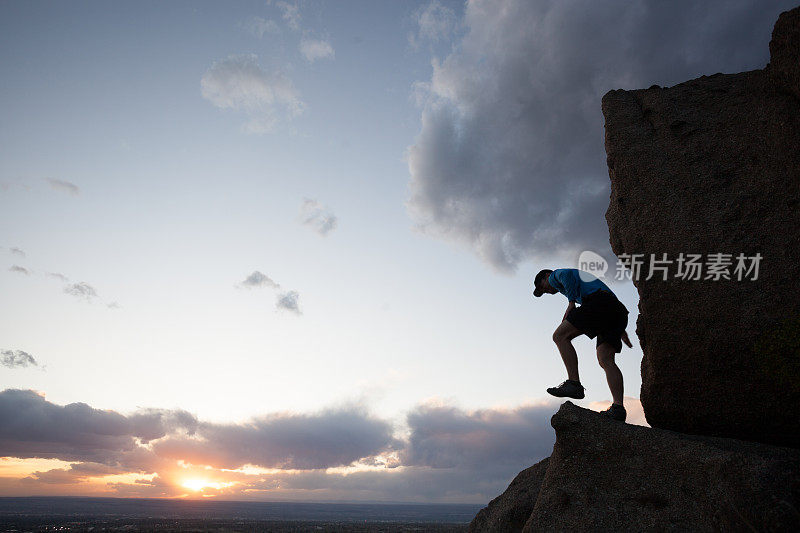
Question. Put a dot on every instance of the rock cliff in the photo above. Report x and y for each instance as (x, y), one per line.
(710, 166)
(706, 167)
(608, 476)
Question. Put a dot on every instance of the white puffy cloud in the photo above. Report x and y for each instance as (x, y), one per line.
(17, 359)
(510, 158)
(314, 49)
(81, 290)
(318, 217)
(289, 301)
(241, 84)
(258, 279)
(284, 300)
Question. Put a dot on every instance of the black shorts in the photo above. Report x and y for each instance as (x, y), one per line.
(603, 316)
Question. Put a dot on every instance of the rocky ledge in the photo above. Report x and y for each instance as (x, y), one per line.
(711, 168)
(609, 476)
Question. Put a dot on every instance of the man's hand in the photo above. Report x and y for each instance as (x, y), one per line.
(626, 339)
(570, 307)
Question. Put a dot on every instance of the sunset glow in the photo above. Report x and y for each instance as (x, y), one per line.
(283, 250)
(201, 484)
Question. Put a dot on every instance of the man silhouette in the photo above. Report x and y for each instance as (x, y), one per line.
(600, 315)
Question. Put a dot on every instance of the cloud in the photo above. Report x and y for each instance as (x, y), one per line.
(76, 473)
(64, 186)
(330, 438)
(284, 300)
(257, 279)
(240, 84)
(81, 290)
(509, 159)
(58, 276)
(32, 427)
(16, 251)
(291, 14)
(318, 217)
(448, 454)
(288, 301)
(16, 359)
(20, 270)
(434, 21)
(313, 49)
(443, 436)
(258, 26)
(633, 406)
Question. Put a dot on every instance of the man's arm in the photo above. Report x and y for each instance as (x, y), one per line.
(570, 307)
(626, 339)
(569, 284)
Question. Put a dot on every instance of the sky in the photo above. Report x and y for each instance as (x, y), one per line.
(284, 250)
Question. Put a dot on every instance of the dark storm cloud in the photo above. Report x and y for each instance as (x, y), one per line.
(289, 301)
(31, 426)
(449, 437)
(64, 186)
(258, 279)
(17, 359)
(151, 424)
(510, 156)
(298, 441)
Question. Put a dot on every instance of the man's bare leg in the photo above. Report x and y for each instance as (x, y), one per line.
(605, 355)
(563, 336)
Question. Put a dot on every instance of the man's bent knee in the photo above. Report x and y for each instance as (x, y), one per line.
(565, 333)
(605, 355)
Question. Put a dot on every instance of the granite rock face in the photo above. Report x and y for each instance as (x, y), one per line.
(511, 510)
(784, 51)
(608, 476)
(712, 166)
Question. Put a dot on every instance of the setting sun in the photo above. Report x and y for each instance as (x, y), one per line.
(200, 484)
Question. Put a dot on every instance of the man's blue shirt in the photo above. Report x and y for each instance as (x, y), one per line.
(575, 284)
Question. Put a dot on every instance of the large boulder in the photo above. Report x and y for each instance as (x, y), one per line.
(604, 475)
(712, 166)
(511, 510)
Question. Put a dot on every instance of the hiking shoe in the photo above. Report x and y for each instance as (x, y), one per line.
(617, 412)
(568, 389)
